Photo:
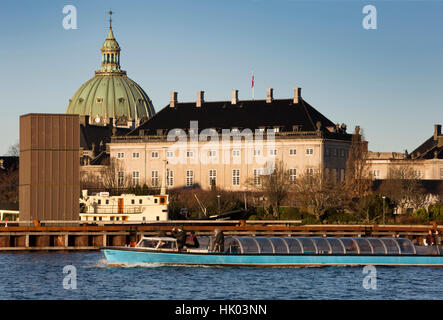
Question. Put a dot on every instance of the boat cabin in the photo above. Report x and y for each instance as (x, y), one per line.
(327, 245)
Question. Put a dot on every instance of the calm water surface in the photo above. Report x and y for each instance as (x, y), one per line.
(40, 276)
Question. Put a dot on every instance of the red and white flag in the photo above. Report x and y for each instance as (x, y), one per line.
(252, 84)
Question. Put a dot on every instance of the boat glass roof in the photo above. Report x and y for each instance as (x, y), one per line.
(317, 245)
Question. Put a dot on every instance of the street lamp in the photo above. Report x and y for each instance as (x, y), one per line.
(384, 209)
(218, 199)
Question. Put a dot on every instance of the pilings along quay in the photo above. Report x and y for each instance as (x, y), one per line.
(52, 236)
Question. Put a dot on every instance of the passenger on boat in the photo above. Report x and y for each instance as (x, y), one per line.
(437, 238)
(192, 241)
(180, 235)
(219, 243)
(430, 240)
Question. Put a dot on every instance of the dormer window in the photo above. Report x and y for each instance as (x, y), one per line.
(121, 100)
(99, 100)
(80, 100)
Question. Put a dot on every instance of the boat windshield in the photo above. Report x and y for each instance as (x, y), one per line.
(157, 243)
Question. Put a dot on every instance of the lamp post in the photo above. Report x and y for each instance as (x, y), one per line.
(218, 199)
(384, 209)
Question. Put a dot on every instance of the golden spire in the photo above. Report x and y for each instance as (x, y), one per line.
(110, 19)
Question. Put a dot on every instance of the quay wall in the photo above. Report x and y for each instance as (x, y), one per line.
(87, 237)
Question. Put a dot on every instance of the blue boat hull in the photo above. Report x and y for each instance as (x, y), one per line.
(126, 256)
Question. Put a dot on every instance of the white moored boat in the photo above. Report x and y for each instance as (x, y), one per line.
(125, 207)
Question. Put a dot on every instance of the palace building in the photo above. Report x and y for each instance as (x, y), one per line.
(155, 153)
(424, 163)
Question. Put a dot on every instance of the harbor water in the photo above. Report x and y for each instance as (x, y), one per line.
(80, 275)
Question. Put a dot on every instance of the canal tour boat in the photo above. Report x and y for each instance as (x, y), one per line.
(279, 252)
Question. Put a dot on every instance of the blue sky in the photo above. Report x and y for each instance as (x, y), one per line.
(389, 81)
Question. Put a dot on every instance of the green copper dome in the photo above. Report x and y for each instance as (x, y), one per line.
(110, 95)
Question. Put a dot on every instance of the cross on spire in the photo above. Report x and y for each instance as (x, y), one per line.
(110, 19)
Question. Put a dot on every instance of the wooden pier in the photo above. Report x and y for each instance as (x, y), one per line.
(44, 237)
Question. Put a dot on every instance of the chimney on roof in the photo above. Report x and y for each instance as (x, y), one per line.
(234, 97)
(297, 95)
(200, 98)
(437, 131)
(269, 95)
(173, 101)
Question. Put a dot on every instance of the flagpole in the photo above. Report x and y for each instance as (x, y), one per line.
(252, 86)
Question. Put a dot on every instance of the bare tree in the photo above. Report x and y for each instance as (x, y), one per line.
(358, 176)
(403, 186)
(14, 150)
(274, 186)
(319, 191)
(9, 180)
(110, 177)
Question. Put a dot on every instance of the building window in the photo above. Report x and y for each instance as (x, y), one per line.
(136, 155)
(327, 152)
(342, 175)
(334, 152)
(154, 154)
(170, 178)
(236, 177)
(120, 178)
(170, 154)
(292, 152)
(441, 173)
(273, 152)
(212, 153)
(236, 153)
(257, 152)
(417, 174)
(309, 151)
(212, 177)
(376, 174)
(310, 171)
(154, 178)
(189, 178)
(135, 178)
(342, 153)
(292, 174)
(120, 155)
(190, 154)
(257, 176)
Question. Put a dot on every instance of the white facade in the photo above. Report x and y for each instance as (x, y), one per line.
(230, 167)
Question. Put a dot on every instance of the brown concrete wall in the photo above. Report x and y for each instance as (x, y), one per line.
(49, 185)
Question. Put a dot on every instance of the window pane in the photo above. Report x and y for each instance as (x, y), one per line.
(336, 245)
(377, 245)
(406, 246)
(308, 245)
(364, 246)
(350, 245)
(249, 245)
(322, 245)
(265, 245)
(294, 245)
(279, 245)
(391, 245)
